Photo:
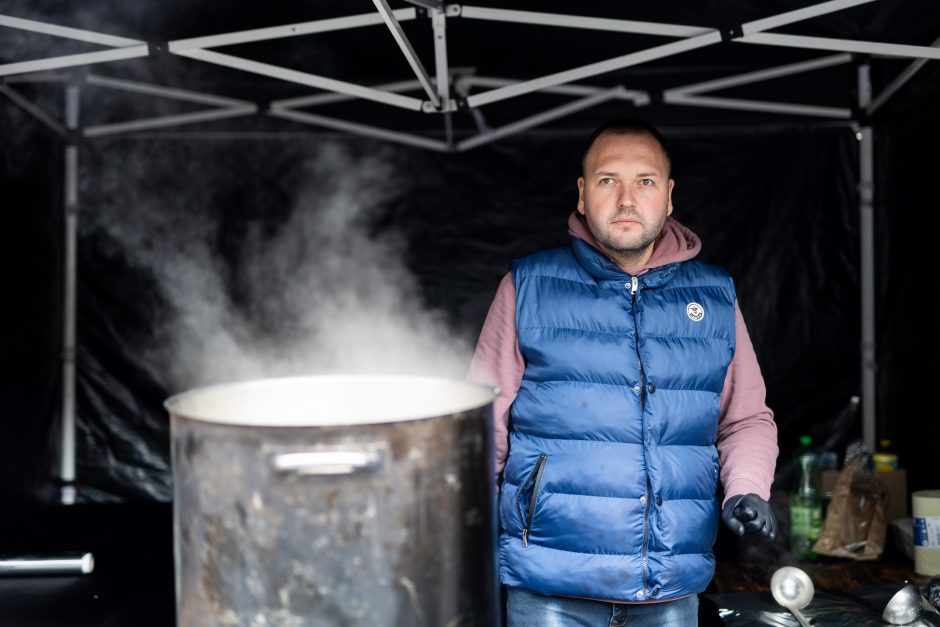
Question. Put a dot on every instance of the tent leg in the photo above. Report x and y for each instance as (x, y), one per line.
(867, 235)
(67, 451)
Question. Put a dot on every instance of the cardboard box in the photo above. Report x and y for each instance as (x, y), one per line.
(895, 482)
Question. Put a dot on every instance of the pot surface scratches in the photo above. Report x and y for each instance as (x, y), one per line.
(406, 537)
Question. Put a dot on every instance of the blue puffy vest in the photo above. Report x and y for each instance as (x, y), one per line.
(609, 488)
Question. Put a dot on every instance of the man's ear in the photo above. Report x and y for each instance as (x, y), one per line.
(672, 183)
(581, 196)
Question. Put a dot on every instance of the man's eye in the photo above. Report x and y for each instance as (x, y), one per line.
(646, 182)
(606, 181)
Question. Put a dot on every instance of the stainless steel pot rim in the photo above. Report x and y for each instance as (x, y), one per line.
(328, 400)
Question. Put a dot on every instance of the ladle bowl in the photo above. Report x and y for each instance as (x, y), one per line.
(904, 607)
(793, 589)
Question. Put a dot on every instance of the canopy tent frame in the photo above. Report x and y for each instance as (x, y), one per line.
(440, 100)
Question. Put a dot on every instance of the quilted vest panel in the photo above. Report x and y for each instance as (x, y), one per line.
(609, 488)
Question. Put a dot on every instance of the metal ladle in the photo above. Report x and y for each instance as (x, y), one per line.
(904, 607)
(793, 589)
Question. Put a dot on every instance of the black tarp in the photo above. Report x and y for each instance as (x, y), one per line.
(774, 200)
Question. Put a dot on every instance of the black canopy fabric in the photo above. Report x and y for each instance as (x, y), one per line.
(491, 48)
(774, 198)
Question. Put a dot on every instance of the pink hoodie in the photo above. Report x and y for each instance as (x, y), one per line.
(747, 433)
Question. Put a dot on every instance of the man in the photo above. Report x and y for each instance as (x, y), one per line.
(621, 363)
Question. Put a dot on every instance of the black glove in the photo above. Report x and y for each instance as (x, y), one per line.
(748, 513)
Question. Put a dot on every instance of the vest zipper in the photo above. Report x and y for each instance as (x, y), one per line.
(530, 512)
(646, 532)
(634, 288)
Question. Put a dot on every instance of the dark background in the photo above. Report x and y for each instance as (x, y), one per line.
(773, 197)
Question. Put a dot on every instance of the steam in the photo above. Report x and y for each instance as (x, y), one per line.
(323, 291)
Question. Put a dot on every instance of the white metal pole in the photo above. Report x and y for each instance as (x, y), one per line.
(761, 75)
(358, 129)
(842, 45)
(538, 119)
(165, 121)
(410, 55)
(442, 68)
(301, 78)
(899, 82)
(67, 452)
(741, 104)
(286, 30)
(32, 109)
(867, 235)
(66, 32)
(322, 99)
(73, 60)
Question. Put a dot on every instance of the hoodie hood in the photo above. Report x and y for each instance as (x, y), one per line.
(675, 244)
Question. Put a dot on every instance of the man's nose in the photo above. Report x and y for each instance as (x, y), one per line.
(627, 199)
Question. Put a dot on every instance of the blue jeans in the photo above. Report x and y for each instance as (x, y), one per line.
(527, 609)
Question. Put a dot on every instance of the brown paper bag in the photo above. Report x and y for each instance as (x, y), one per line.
(854, 526)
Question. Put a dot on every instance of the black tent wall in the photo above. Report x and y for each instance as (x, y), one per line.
(777, 205)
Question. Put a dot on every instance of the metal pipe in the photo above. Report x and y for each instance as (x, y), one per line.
(72, 60)
(580, 21)
(593, 69)
(358, 129)
(867, 237)
(799, 15)
(161, 91)
(750, 29)
(165, 121)
(442, 69)
(639, 98)
(82, 565)
(302, 78)
(32, 109)
(67, 452)
(405, 46)
(66, 32)
(898, 82)
(757, 105)
(842, 45)
(322, 99)
(39, 77)
(537, 119)
(286, 30)
(760, 75)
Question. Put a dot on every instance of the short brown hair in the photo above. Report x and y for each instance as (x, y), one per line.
(627, 126)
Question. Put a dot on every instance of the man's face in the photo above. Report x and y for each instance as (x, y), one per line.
(625, 194)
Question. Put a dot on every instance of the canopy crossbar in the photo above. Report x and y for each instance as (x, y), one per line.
(356, 128)
(33, 109)
(437, 89)
(286, 30)
(402, 40)
(898, 82)
(539, 119)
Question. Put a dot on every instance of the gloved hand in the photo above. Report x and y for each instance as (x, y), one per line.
(749, 513)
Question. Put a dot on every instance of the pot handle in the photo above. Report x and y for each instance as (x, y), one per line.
(345, 462)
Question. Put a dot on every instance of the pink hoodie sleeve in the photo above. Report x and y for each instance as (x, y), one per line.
(497, 362)
(747, 433)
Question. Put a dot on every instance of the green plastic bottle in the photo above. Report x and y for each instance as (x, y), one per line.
(805, 504)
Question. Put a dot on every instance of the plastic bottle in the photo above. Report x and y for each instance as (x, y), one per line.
(885, 459)
(805, 504)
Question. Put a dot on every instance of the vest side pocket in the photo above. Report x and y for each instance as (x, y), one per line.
(528, 493)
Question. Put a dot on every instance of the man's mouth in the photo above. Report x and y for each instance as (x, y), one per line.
(625, 221)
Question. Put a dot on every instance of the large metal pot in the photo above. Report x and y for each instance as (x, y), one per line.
(334, 500)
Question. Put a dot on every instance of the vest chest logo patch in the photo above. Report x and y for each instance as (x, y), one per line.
(695, 312)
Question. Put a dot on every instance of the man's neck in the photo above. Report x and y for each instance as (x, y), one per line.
(630, 262)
